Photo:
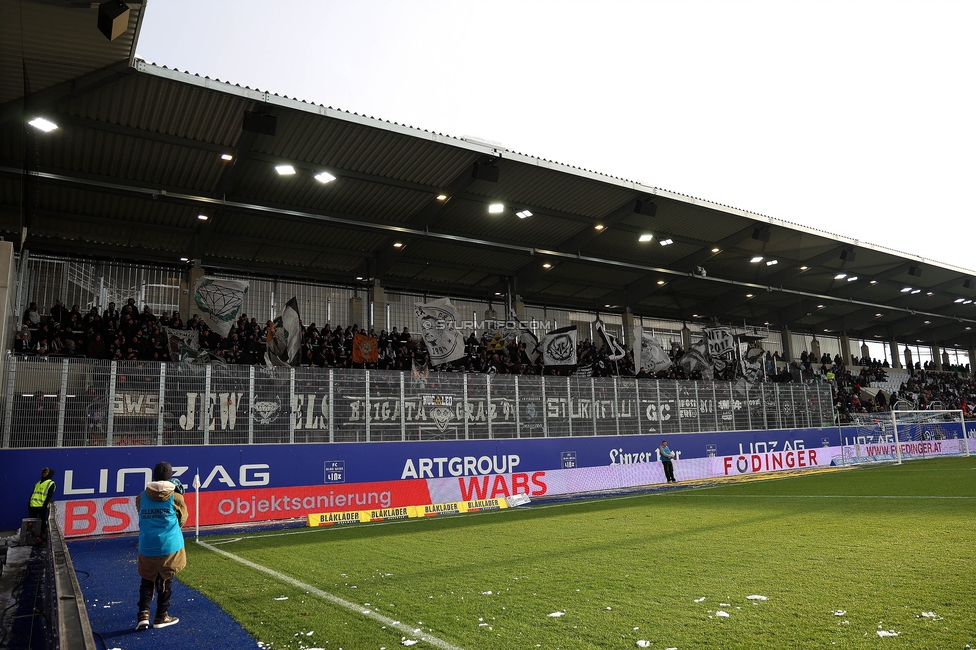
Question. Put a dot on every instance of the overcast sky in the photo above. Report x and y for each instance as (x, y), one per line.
(857, 117)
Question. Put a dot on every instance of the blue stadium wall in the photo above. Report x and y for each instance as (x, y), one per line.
(96, 486)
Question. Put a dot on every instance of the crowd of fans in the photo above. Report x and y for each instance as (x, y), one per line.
(129, 334)
(133, 335)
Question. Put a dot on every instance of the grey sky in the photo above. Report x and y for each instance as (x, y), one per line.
(854, 117)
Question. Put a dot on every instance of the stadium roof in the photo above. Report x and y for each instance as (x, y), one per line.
(137, 158)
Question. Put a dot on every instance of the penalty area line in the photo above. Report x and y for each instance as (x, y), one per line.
(336, 600)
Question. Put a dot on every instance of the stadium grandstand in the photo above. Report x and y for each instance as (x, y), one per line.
(188, 263)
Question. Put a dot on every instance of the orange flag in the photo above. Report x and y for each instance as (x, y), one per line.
(364, 349)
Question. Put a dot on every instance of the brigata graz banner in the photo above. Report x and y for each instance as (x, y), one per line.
(96, 487)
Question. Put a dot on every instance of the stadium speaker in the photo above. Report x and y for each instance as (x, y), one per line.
(967, 284)
(113, 18)
(915, 270)
(484, 173)
(258, 123)
(646, 208)
(848, 255)
(761, 234)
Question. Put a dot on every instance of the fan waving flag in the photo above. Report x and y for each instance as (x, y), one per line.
(285, 344)
(220, 302)
(364, 349)
(696, 359)
(181, 343)
(559, 347)
(615, 351)
(529, 340)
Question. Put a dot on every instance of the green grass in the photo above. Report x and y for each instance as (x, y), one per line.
(886, 544)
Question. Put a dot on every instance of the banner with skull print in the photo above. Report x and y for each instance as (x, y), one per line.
(438, 328)
(559, 347)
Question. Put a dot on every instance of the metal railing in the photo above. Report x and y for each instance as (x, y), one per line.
(64, 402)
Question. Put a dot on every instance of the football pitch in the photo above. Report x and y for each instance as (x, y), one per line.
(878, 556)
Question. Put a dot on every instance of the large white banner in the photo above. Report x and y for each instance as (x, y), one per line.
(438, 327)
(648, 353)
(220, 302)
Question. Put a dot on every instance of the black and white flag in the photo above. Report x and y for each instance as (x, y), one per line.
(527, 338)
(285, 341)
(720, 341)
(615, 351)
(648, 353)
(559, 347)
(181, 343)
(697, 359)
(438, 327)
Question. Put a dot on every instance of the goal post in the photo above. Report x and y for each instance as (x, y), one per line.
(923, 434)
(904, 434)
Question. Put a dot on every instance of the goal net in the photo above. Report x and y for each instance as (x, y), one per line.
(905, 435)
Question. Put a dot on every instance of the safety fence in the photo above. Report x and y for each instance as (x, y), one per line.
(50, 402)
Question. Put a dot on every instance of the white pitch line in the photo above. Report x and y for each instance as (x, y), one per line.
(341, 602)
(821, 496)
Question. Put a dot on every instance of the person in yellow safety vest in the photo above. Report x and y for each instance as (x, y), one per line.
(41, 499)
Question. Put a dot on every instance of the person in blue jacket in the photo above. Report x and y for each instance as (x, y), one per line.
(666, 457)
(162, 513)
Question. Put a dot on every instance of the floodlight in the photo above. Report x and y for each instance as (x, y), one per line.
(44, 125)
(522, 214)
(645, 238)
(202, 217)
(495, 208)
(840, 276)
(226, 156)
(756, 259)
(666, 242)
(772, 262)
(285, 170)
(324, 177)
